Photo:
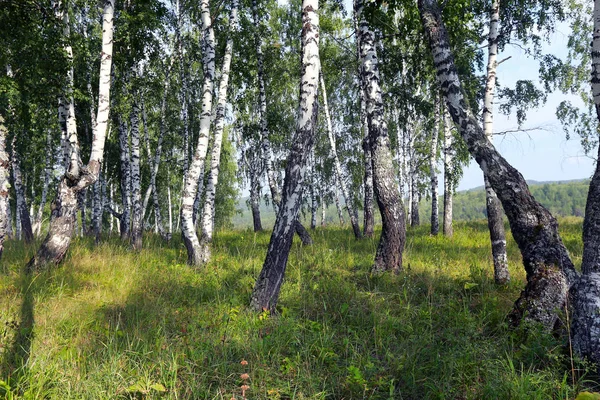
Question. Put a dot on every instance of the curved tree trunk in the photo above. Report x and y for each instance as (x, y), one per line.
(4, 185)
(338, 167)
(56, 243)
(208, 212)
(393, 234)
(188, 230)
(549, 269)
(268, 284)
(494, 210)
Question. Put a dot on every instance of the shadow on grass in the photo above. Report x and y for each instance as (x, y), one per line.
(14, 363)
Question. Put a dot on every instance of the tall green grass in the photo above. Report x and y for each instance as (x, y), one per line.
(111, 323)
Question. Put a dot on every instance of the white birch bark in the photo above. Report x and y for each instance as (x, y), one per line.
(435, 222)
(393, 235)
(494, 210)
(208, 211)
(188, 230)
(48, 169)
(268, 284)
(125, 156)
(338, 167)
(585, 294)
(136, 184)
(4, 186)
(447, 228)
(56, 243)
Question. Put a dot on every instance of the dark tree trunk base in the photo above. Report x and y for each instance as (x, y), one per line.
(585, 324)
(303, 234)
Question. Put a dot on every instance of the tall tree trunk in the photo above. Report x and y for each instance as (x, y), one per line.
(338, 206)
(448, 175)
(37, 229)
(393, 234)
(585, 294)
(323, 208)
(314, 205)
(98, 208)
(338, 168)
(125, 154)
(435, 221)
(369, 216)
(188, 230)
(156, 163)
(183, 92)
(267, 151)
(415, 219)
(4, 186)
(208, 212)
(494, 209)
(22, 210)
(549, 269)
(136, 184)
(268, 284)
(56, 243)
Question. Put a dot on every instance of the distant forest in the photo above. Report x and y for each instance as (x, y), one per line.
(562, 198)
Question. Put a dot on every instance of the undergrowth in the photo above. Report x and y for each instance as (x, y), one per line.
(111, 323)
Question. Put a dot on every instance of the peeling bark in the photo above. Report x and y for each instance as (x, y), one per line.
(268, 284)
(4, 186)
(494, 210)
(208, 212)
(393, 234)
(549, 269)
(55, 245)
(188, 230)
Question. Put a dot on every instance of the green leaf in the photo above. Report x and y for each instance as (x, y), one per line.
(470, 285)
(158, 387)
(588, 396)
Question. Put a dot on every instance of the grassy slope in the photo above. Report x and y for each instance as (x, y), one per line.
(110, 323)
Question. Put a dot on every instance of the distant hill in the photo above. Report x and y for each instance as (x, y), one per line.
(562, 198)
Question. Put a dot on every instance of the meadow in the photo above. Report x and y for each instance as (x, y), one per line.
(110, 323)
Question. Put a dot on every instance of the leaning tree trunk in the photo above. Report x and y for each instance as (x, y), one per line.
(136, 183)
(435, 221)
(494, 210)
(393, 234)
(55, 245)
(550, 271)
(268, 284)
(188, 230)
(338, 167)
(448, 175)
(4, 185)
(585, 294)
(125, 218)
(208, 212)
(22, 210)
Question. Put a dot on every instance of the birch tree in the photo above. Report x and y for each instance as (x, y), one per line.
(188, 230)
(337, 165)
(435, 223)
(136, 184)
(4, 186)
(208, 213)
(494, 211)
(268, 284)
(78, 177)
(549, 269)
(393, 234)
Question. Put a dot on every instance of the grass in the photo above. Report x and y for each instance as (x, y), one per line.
(111, 323)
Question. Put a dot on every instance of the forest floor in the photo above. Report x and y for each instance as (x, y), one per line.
(110, 323)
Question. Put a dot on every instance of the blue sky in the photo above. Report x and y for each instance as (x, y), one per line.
(542, 155)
